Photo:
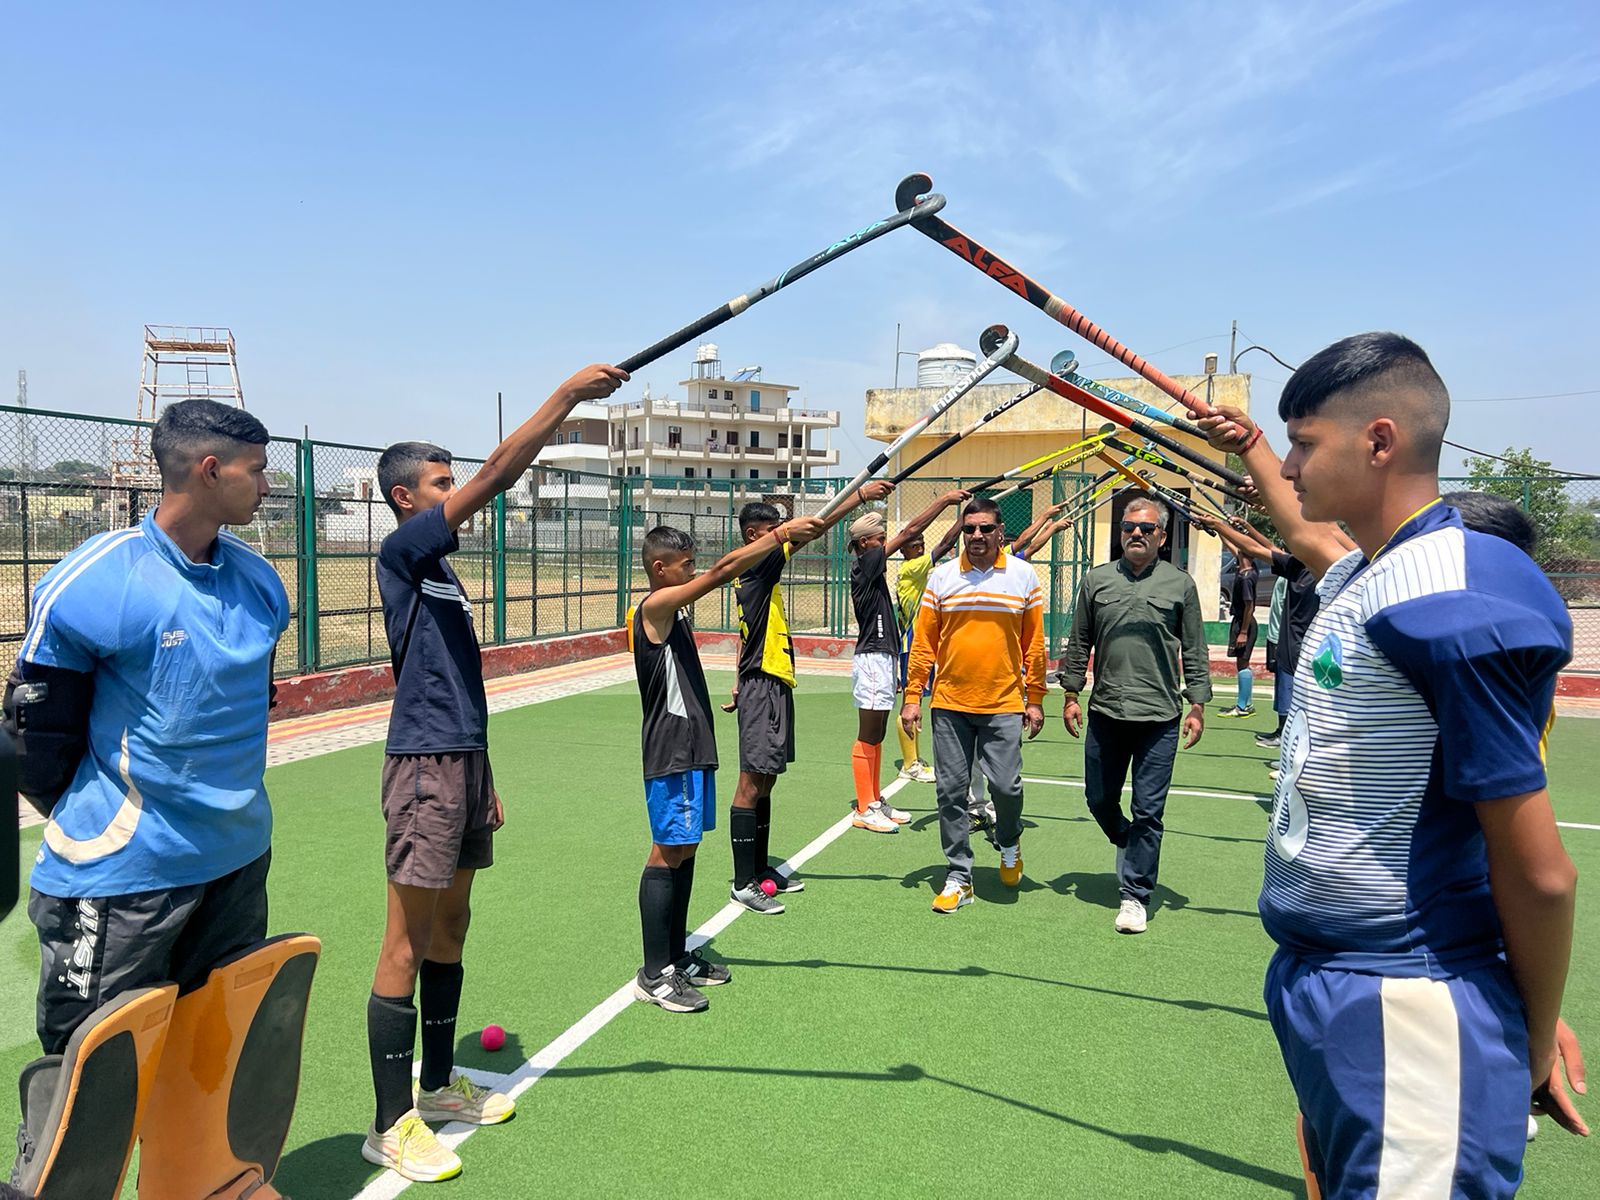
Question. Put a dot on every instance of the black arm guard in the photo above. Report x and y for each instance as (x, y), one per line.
(46, 712)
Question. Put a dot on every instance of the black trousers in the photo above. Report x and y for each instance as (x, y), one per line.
(1110, 746)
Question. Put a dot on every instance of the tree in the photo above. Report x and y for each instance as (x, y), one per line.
(1567, 529)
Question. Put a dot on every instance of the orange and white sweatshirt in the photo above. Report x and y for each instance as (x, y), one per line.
(984, 630)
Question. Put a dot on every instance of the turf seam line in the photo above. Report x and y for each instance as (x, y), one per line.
(389, 1184)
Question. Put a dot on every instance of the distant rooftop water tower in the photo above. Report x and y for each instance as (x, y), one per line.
(940, 366)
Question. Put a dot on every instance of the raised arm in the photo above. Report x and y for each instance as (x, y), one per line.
(659, 606)
(877, 489)
(1024, 541)
(948, 542)
(512, 457)
(1318, 544)
(918, 524)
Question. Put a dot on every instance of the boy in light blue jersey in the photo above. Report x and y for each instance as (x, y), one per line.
(154, 862)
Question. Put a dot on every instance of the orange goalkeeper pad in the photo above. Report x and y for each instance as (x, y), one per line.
(225, 1091)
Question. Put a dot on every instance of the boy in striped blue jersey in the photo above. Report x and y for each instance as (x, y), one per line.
(1415, 880)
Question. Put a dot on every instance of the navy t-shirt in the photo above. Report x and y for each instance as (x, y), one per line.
(439, 704)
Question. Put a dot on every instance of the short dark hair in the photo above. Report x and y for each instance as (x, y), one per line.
(664, 539)
(401, 466)
(1499, 516)
(1360, 359)
(758, 512)
(188, 430)
(982, 504)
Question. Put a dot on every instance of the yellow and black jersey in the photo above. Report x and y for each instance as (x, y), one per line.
(767, 648)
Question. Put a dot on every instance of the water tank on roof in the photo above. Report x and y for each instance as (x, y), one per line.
(941, 365)
(705, 352)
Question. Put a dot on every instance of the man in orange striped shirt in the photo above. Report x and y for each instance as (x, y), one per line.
(982, 624)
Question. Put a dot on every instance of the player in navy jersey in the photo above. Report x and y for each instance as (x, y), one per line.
(1416, 883)
(438, 796)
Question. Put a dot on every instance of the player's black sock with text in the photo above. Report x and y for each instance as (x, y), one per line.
(763, 833)
(742, 832)
(439, 990)
(655, 918)
(391, 1042)
(682, 885)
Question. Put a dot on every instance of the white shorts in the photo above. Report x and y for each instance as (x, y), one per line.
(874, 681)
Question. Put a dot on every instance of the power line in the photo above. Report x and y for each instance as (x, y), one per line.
(1540, 396)
(1514, 463)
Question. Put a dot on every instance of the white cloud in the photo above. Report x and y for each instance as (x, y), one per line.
(1539, 85)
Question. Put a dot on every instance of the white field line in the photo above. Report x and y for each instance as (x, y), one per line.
(1078, 783)
(389, 1184)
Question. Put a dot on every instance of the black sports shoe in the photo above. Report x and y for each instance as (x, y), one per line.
(1267, 741)
(784, 883)
(669, 990)
(700, 971)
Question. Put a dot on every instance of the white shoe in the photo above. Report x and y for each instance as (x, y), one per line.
(1533, 1127)
(410, 1149)
(874, 820)
(898, 815)
(924, 772)
(1130, 917)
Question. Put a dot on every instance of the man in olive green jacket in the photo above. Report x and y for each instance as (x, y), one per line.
(1141, 617)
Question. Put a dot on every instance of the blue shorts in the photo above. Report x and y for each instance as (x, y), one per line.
(1282, 691)
(1409, 1087)
(683, 807)
(905, 663)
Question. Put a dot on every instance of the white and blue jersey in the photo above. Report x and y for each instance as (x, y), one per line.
(170, 790)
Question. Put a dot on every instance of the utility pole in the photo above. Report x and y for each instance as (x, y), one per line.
(1233, 341)
(897, 354)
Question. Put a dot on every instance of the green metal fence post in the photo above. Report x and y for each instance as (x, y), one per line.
(499, 568)
(624, 526)
(310, 644)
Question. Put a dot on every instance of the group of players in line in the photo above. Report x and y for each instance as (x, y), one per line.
(1415, 880)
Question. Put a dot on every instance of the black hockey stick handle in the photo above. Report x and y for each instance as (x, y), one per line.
(1158, 460)
(907, 472)
(926, 206)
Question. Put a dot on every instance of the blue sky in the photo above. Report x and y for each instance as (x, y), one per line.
(401, 209)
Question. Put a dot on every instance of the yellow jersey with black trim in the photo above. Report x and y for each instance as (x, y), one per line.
(766, 647)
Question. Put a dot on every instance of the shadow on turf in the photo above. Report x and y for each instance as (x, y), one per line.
(470, 1053)
(977, 972)
(1101, 888)
(328, 1167)
(911, 1073)
(986, 883)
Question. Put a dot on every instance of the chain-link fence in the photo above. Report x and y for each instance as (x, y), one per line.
(559, 552)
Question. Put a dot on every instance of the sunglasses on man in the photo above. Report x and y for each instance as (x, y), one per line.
(1144, 527)
(983, 530)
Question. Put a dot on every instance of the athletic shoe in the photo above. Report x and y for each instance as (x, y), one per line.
(1272, 771)
(874, 820)
(1268, 741)
(409, 1149)
(1011, 865)
(1533, 1127)
(897, 815)
(1248, 710)
(924, 772)
(954, 896)
(1130, 917)
(700, 971)
(670, 990)
(463, 1100)
(756, 900)
(784, 883)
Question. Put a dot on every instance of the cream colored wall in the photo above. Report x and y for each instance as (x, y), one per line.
(1042, 423)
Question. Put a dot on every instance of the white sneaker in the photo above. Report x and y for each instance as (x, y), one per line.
(874, 820)
(1130, 917)
(1533, 1127)
(463, 1100)
(924, 772)
(908, 772)
(410, 1149)
(898, 815)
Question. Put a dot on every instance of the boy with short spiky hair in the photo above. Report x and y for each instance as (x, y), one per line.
(438, 797)
(680, 752)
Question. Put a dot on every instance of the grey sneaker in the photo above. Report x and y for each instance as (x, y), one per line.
(784, 883)
(669, 990)
(756, 900)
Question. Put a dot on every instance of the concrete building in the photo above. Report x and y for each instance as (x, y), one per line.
(1035, 427)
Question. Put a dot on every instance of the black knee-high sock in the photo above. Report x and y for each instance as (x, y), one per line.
(682, 885)
(655, 918)
(391, 1043)
(742, 832)
(439, 990)
(1283, 719)
(763, 833)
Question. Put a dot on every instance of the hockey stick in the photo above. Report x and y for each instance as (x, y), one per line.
(1145, 454)
(1034, 373)
(1065, 464)
(975, 426)
(1002, 345)
(925, 206)
(1043, 458)
(1172, 499)
(914, 186)
(1122, 399)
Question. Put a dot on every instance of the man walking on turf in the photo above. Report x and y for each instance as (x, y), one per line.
(1141, 618)
(1415, 882)
(680, 753)
(438, 795)
(764, 697)
(143, 684)
(874, 670)
(980, 632)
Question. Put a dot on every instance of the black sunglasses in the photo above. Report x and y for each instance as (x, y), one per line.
(1144, 527)
(986, 528)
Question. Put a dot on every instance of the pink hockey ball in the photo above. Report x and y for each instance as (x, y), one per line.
(493, 1037)
(769, 887)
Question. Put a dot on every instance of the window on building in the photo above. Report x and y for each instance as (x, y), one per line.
(755, 439)
(783, 474)
(619, 472)
(688, 472)
(733, 438)
(674, 436)
(754, 474)
(727, 394)
(783, 439)
(755, 400)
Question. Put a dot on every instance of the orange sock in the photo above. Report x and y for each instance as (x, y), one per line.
(866, 777)
(877, 769)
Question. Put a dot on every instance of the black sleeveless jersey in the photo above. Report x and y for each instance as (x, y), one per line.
(677, 734)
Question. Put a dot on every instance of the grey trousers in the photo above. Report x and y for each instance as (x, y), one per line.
(994, 741)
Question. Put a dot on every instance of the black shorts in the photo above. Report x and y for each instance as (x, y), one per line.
(92, 950)
(1242, 655)
(766, 725)
(1272, 657)
(440, 814)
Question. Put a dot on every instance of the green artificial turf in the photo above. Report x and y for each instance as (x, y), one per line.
(866, 1046)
